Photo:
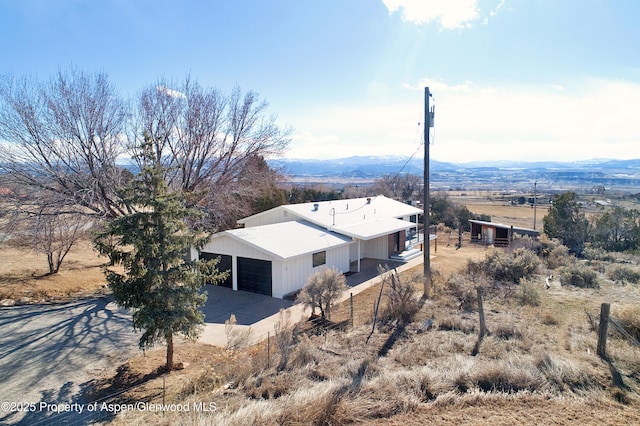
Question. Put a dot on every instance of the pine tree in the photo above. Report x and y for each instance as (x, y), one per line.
(158, 283)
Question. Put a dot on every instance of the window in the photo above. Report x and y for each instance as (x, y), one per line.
(319, 258)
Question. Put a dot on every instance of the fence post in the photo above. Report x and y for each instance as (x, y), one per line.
(602, 330)
(351, 308)
(483, 329)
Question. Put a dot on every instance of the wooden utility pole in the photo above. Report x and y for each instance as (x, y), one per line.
(535, 202)
(425, 206)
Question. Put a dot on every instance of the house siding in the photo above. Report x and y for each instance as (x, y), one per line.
(376, 248)
(277, 215)
(294, 273)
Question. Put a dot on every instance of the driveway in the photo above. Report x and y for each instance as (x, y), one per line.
(48, 353)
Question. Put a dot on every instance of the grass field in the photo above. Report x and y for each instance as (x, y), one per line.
(24, 279)
(536, 366)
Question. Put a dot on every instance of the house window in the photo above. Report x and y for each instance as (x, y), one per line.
(319, 258)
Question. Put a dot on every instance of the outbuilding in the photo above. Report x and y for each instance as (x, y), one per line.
(497, 234)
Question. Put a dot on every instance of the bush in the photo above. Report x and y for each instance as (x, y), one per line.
(578, 275)
(595, 253)
(624, 274)
(559, 256)
(237, 336)
(464, 290)
(628, 316)
(528, 294)
(323, 288)
(402, 303)
(509, 266)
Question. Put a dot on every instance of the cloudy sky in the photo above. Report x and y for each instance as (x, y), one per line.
(511, 79)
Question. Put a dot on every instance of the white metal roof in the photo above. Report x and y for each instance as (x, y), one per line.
(288, 239)
(362, 218)
(503, 226)
(373, 228)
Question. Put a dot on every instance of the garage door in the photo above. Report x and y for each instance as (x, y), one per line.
(223, 265)
(254, 275)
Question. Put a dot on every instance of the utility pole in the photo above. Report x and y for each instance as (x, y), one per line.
(535, 202)
(428, 123)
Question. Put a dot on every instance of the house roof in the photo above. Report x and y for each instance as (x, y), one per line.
(503, 226)
(362, 218)
(288, 239)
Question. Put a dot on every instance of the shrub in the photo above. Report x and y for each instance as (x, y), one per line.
(579, 275)
(323, 289)
(237, 336)
(464, 290)
(509, 266)
(559, 256)
(402, 303)
(624, 274)
(628, 317)
(528, 294)
(285, 337)
(596, 253)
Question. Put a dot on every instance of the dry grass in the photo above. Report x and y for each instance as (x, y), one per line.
(536, 366)
(23, 275)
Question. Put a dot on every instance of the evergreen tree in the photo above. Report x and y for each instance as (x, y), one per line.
(158, 283)
(566, 222)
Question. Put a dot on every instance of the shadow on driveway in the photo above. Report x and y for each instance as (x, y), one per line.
(248, 307)
(47, 352)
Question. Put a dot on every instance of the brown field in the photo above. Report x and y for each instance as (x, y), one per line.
(23, 276)
(536, 366)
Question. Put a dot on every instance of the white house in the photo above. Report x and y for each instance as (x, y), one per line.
(276, 250)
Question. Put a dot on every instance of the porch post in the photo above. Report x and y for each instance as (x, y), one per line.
(234, 271)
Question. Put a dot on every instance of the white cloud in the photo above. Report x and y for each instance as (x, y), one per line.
(588, 119)
(171, 92)
(450, 13)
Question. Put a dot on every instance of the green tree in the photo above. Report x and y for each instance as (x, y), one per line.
(566, 222)
(617, 230)
(158, 283)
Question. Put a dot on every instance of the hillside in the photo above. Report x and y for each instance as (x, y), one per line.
(537, 365)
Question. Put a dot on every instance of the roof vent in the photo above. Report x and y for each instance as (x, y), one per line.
(316, 206)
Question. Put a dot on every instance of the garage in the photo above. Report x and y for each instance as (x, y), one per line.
(255, 275)
(223, 265)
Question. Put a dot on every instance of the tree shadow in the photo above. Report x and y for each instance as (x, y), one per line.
(46, 349)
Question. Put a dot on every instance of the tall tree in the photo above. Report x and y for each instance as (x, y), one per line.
(617, 229)
(62, 138)
(212, 139)
(158, 283)
(566, 222)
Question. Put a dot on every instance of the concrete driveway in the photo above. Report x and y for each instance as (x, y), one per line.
(248, 307)
(49, 352)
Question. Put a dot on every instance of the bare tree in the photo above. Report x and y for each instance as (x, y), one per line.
(43, 229)
(209, 140)
(324, 287)
(404, 187)
(62, 138)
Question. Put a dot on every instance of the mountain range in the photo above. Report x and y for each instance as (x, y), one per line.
(611, 173)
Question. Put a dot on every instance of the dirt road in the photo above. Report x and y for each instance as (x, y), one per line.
(49, 352)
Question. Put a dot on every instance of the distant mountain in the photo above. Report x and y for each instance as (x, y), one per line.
(359, 166)
(619, 174)
(375, 166)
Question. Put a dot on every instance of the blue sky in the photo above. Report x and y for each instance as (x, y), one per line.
(511, 79)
